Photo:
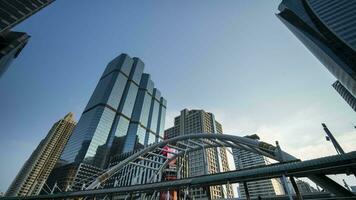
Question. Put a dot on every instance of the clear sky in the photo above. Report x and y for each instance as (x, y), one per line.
(235, 59)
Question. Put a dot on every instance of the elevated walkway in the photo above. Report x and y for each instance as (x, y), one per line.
(318, 168)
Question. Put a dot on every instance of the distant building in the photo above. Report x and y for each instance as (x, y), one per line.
(345, 94)
(125, 113)
(327, 29)
(199, 121)
(13, 12)
(305, 187)
(34, 173)
(264, 188)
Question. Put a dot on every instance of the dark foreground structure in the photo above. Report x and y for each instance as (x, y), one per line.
(13, 12)
(327, 29)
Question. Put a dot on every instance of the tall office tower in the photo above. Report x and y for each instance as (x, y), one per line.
(195, 122)
(327, 29)
(13, 12)
(245, 159)
(34, 173)
(345, 94)
(125, 113)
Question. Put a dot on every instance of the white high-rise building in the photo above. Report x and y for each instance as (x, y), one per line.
(34, 173)
(201, 162)
(269, 187)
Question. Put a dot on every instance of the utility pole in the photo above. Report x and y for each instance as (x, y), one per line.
(331, 137)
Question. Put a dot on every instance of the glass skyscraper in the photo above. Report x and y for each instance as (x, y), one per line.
(124, 113)
(328, 29)
(13, 12)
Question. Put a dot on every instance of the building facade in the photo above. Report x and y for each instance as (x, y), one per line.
(201, 162)
(345, 94)
(13, 12)
(304, 187)
(125, 113)
(327, 29)
(34, 173)
(263, 188)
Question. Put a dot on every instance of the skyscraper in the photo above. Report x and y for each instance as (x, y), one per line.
(245, 159)
(345, 94)
(199, 121)
(11, 45)
(13, 12)
(34, 173)
(124, 113)
(327, 29)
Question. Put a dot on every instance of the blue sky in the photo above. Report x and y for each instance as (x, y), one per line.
(235, 59)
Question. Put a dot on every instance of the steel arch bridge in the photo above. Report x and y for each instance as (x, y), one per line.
(181, 145)
(200, 141)
(152, 158)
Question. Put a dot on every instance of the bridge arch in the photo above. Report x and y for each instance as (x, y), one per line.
(193, 142)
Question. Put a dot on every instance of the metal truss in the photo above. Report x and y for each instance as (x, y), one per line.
(184, 144)
(155, 159)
